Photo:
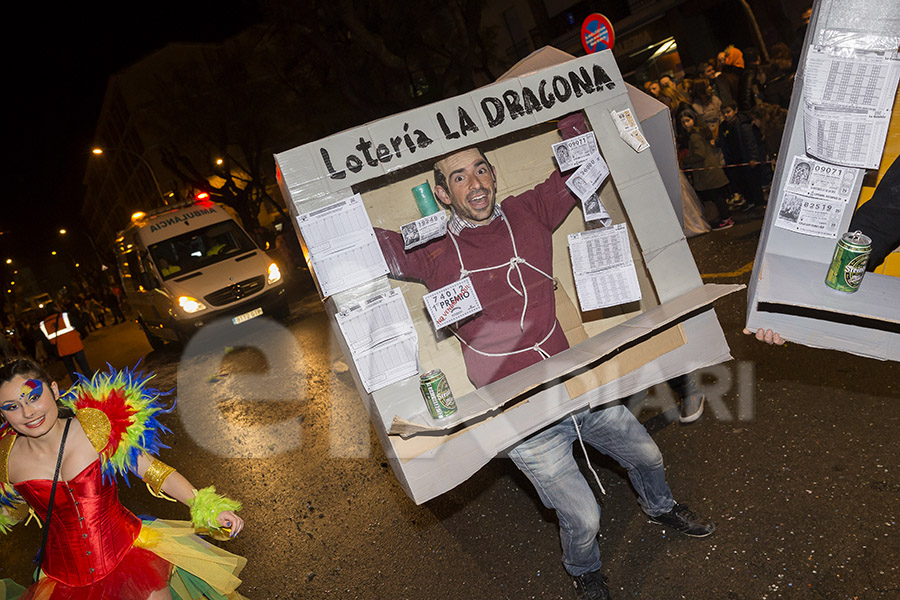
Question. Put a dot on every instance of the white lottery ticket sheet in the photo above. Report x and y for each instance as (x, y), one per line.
(595, 211)
(847, 102)
(588, 178)
(452, 303)
(376, 320)
(607, 288)
(342, 245)
(815, 197)
(599, 249)
(424, 230)
(387, 363)
(603, 268)
(382, 339)
(629, 130)
(575, 152)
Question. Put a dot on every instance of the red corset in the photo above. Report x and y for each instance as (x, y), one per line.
(90, 531)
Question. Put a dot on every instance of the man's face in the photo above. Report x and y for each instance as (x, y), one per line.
(472, 185)
(710, 72)
(654, 88)
(729, 113)
(665, 82)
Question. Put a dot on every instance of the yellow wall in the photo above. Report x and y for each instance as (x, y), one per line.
(891, 265)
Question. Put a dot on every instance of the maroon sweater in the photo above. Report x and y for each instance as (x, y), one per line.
(533, 216)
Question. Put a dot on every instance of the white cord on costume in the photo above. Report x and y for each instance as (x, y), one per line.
(513, 263)
(583, 449)
(537, 347)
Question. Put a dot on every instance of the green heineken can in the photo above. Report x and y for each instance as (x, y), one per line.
(425, 199)
(437, 394)
(849, 262)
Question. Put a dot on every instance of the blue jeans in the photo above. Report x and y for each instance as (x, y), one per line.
(546, 459)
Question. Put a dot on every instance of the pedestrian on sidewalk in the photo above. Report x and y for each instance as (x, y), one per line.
(709, 179)
(742, 147)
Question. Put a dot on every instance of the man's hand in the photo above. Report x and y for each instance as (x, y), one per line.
(766, 335)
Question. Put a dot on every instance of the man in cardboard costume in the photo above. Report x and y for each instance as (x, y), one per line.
(507, 253)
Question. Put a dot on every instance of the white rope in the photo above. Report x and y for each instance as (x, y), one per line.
(583, 449)
(513, 263)
(537, 347)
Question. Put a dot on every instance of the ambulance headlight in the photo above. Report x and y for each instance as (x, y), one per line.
(274, 274)
(190, 305)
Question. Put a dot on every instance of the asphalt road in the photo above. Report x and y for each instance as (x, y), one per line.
(805, 493)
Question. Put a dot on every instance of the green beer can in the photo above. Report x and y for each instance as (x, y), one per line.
(437, 394)
(849, 262)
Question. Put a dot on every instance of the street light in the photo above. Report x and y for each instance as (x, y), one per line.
(98, 151)
(62, 232)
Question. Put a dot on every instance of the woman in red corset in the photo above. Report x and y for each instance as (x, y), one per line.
(96, 548)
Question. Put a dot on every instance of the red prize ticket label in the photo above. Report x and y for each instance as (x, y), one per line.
(452, 303)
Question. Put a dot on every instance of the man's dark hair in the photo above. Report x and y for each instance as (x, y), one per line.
(440, 180)
(731, 104)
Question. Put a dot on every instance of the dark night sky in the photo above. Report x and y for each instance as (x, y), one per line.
(57, 64)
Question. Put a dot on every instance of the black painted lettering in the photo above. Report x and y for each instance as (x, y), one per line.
(466, 124)
(494, 116)
(383, 153)
(448, 135)
(581, 84)
(561, 88)
(409, 142)
(513, 104)
(422, 140)
(354, 163)
(396, 143)
(364, 146)
(601, 78)
(331, 172)
(546, 100)
(532, 104)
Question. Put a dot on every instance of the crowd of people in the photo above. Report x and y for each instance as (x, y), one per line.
(86, 311)
(729, 114)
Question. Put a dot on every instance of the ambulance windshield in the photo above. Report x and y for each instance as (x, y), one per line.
(199, 248)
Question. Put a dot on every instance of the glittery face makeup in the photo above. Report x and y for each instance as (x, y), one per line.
(32, 390)
(29, 393)
(28, 409)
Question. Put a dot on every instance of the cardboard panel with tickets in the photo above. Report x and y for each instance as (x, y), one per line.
(602, 265)
(810, 281)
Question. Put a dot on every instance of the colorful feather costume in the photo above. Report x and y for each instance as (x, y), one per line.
(96, 547)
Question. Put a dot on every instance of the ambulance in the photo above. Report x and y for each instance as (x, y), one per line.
(187, 265)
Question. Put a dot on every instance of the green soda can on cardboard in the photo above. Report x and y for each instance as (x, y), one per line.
(437, 394)
(849, 262)
(425, 199)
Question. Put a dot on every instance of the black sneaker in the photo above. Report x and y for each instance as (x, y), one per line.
(591, 586)
(686, 521)
(692, 408)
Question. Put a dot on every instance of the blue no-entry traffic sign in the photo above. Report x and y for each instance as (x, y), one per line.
(597, 33)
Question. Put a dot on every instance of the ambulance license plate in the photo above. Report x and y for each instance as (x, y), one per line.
(247, 316)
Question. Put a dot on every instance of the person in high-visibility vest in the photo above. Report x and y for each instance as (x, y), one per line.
(65, 339)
